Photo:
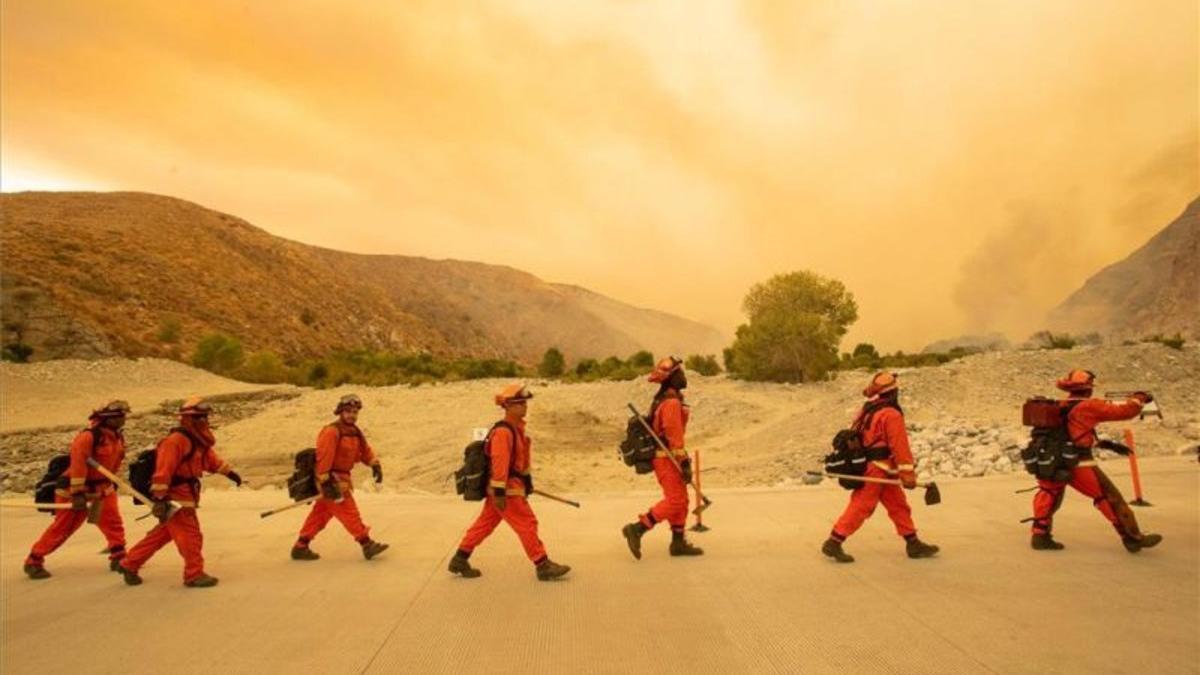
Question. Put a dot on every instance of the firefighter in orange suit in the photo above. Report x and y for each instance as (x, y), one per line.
(185, 455)
(881, 427)
(340, 445)
(669, 418)
(510, 481)
(1083, 414)
(84, 487)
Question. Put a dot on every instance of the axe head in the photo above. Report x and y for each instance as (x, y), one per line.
(932, 494)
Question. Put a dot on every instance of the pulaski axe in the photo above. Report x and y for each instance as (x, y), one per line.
(932, 494)
(704, 502)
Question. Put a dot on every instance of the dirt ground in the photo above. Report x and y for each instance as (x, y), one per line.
(762, 599)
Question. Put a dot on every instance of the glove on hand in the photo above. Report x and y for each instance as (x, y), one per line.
(235, 477)
(377, 471)
(79, 502)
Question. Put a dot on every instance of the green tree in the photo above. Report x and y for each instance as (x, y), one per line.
(553, 364)
(704, 365)
(218, 353)
(642, 359)
(796, 322)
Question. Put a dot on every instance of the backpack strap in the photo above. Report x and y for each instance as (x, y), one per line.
(512, 431)
(176, 479)
(1067, 408)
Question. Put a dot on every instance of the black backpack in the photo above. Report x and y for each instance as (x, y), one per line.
(141, 469)
(849, 457)
(303, 483)
(55, 478)
(639, 447)
(471, 479)
(1051, 453)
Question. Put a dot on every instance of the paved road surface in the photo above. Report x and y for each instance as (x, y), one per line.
(762, 600)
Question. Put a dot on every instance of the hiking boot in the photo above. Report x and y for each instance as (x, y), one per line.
(1044, 542)
(131, 578)
(633, 536)
(202, 581)
(548, 570)
(460, 565)
(372, 548)
(833, 548)
(114, 565)
(681, 546)
(1133, 545)
(36, 572)
(919, 549)
(304, 553)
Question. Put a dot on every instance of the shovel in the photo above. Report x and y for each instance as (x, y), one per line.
(932, 494)
(556, 498)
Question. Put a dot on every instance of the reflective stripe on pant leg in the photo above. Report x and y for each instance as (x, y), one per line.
(862, 505)
(489, 518)
(520, 517)
(112, 527)
(185, 531)
(348, 515)
(156, 538)
(66, 522)
(896, 503)
(316, 521)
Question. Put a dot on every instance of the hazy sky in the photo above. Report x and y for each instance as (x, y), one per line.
(960, 166)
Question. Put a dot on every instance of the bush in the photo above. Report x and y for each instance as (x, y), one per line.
(17, 352)
(1175, 342)
(218, 353)
(307, 317)
(1047, 340)
(643, 360)
(264, 367)
(169, 330)
(796, 322)
(553, 364)
(704, 365)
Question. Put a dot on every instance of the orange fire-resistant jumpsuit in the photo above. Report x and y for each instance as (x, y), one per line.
(670, 424)
(1081, 425)
(339, 447)
(884, 432)
(81, 478)
(181, 460)
(510, 466)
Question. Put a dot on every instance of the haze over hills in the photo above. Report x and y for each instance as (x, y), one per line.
(1155, 290)
(101, 274)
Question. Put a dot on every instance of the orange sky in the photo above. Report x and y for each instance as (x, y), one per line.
(961, 166)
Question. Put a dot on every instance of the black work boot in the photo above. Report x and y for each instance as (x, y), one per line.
(633, 536)
(1135, 544)
(372, 548)
(460, 565)
(1042, 541)
(833, 548)
(304, 553)
(36, 572)
(548, 570)
(114, 564)
(131, 578)
(919, 549)
(681, 546)
(202, 581)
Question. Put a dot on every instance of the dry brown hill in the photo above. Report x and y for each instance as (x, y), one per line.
(1156, 290)
(99, 274)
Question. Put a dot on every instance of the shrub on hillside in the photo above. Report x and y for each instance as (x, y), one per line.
(1176, 342)
(170, 330)
(218, 353)
(642, 359)
(553, 364)
(704, 365)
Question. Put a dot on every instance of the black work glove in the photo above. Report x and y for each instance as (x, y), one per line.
(331, 490)
(501, 502)
(377, 471)
(685, 466)
(528, 481)
(235, 477)
(78, 502)
(1144, 396)
(161, 508)
(1119, 448)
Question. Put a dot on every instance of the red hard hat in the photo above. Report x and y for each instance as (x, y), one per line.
(195, 407)
(115, 408)
(664, 368)
(511, 393)
(1077, 380)
(348, 401)
(881, 383)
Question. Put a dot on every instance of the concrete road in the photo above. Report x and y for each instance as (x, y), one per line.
(763, 599)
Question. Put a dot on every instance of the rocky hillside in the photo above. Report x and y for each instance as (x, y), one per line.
(132, 274)
(1156, 290)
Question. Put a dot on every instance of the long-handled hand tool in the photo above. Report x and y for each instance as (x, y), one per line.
(703, 502)
(172, 507)
(556, 498)
(34, 505)
(289, 507)
(932, 494)
(699, 526)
